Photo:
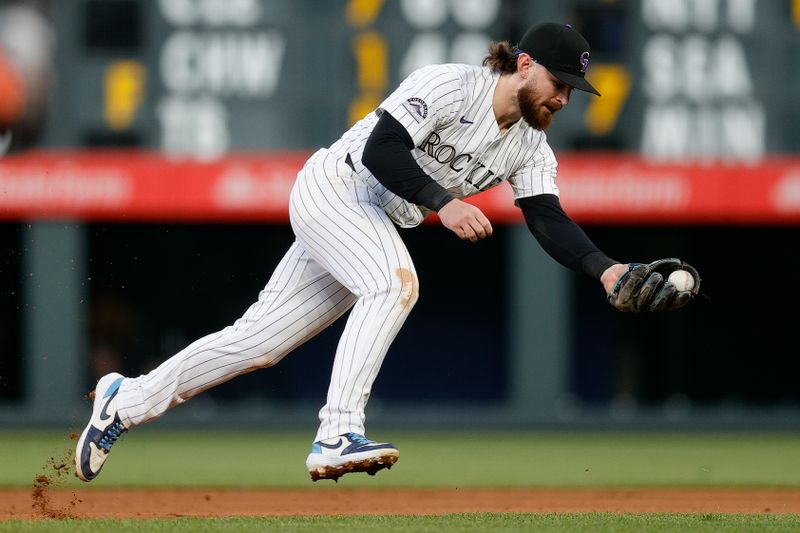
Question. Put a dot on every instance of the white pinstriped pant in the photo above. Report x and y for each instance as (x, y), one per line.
(347, 253)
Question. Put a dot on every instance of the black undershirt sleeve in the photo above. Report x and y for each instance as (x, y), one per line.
(561, 237)
(387, 155)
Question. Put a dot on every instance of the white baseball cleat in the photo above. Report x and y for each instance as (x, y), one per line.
(103, 430)
(332, 458)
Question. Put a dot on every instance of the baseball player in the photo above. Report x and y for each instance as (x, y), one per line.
(448, 132)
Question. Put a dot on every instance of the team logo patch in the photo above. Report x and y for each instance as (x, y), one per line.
(584, 62)
(417, 107)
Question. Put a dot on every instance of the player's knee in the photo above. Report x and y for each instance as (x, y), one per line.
(270, 356)
(408, 287)
(264, 361)
(400, 290)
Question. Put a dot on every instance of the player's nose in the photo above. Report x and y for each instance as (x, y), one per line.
(563, 96)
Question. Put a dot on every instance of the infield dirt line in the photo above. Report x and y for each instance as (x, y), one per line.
(163, 503)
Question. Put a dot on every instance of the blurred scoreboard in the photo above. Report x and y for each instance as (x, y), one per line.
(701, 80)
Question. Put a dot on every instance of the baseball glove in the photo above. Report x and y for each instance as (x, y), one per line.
(645, 287)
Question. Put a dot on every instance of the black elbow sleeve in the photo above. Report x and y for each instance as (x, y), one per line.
(387, 155)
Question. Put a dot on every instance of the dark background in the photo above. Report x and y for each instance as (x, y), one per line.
(155, 288)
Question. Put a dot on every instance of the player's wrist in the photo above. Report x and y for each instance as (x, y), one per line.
(446, 202)
(437, 196)
(611, 274)
(596, 263)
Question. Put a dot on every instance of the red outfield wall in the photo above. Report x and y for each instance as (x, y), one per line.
(602, 189)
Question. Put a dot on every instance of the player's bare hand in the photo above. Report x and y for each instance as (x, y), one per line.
(465, 220)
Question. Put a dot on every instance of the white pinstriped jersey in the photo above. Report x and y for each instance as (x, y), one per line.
(348, 256)
(447, 111)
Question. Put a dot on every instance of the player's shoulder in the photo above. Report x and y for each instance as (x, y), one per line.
(464, 70)
(455, 72)
(533, 143)
(531, 136)
(466, 82)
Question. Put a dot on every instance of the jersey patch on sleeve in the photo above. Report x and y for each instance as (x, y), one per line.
(417, 108)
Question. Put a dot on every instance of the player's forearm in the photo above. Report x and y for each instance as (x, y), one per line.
(387, 154)
(561, 238)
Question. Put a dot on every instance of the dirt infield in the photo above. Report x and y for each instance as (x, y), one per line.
(146, 503)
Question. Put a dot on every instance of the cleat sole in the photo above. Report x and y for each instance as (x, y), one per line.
(370, 466)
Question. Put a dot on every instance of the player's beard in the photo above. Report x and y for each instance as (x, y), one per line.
(535, 111)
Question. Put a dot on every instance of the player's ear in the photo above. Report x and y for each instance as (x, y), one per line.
(524, 64)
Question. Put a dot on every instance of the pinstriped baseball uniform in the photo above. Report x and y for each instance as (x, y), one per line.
(348, 253)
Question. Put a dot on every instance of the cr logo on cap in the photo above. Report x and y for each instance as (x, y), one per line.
(584, 62)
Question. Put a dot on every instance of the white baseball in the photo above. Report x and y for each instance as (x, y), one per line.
(682, 280)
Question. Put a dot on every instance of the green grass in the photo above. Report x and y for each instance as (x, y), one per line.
(618, 523)
(161, 457)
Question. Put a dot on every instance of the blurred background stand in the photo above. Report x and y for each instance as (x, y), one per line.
(153, 146)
